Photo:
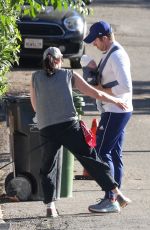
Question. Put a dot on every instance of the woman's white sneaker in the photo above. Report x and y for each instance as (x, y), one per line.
(51, 213)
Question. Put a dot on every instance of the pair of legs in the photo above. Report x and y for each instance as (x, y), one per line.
(70, 135)
(110, 137)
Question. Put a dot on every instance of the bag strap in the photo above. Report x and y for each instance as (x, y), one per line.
(102, 64)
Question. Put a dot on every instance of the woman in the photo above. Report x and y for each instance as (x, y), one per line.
(51, 98)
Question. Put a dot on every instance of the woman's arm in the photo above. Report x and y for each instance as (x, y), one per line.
(106, 90)
(88, 90)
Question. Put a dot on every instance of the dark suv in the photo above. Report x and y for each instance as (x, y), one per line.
(63, 29)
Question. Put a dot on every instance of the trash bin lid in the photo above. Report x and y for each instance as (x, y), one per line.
(16, 98)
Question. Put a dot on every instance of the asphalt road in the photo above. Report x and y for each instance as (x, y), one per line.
(130, 20)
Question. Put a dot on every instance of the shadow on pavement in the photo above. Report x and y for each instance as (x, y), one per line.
(141, 93)
(141, 3)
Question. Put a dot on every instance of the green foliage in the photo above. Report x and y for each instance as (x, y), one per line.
(9, 39)
(10, 10)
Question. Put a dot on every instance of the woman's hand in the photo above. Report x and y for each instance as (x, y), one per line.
(85, 88)
(121, 104)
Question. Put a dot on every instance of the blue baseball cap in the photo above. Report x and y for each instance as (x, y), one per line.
(98, 29)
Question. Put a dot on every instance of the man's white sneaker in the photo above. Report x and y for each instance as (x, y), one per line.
(105, 206)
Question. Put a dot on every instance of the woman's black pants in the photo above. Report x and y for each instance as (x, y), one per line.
(70, 135)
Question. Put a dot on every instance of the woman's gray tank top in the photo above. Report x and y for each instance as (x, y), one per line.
(54, 101)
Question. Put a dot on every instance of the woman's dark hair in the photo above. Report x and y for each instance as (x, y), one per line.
(49, 65)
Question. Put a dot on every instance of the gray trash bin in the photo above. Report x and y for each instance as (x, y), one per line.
(26, 152)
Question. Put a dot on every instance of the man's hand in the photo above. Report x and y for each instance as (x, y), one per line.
(99, 87)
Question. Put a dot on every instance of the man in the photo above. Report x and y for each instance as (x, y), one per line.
(115, 79)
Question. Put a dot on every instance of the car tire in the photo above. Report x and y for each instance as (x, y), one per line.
(75, 63)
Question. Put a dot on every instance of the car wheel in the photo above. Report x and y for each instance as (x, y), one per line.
(75, 63)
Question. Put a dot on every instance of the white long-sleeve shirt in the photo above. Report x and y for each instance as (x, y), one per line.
(117, 70)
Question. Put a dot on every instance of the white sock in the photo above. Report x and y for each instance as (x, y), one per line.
(51, 205)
